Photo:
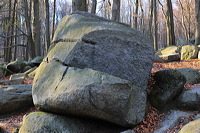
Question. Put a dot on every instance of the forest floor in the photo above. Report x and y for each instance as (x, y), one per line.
(149, 124)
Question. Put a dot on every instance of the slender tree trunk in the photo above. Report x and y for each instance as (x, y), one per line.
(116, 10)
(94, 5)
(155, 25)
(150, 19)
(36, 27)
(7, 52)
(80, 5)
(170, 24)
(47, 27)
(136, 14)
(54, 17)
(30, 49)
(197, 25)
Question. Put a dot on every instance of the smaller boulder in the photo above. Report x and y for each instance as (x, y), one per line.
(3, 71)
(189, 52)
(192, 127)
(41, 122)
(170, 58)
(191, 75)
(37, 60)
(170, 50)
(16, 66)
(15, 97)
(189, 100)
(168, 84)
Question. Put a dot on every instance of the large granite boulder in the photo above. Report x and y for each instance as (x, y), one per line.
(191, 75)
(189, 52)
(88, 93)
(41, 122)
(192, 127)
(96, 68)
(168, 84)
(15, 97)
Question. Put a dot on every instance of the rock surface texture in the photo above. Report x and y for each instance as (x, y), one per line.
(15, 97)
(192, 127)
(41, 122)
(189, 52)
(96, 68)
(168, 84)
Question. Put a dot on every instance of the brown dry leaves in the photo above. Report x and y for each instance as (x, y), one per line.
(150, 122)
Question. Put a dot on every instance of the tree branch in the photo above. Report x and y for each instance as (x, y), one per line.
(22, 45)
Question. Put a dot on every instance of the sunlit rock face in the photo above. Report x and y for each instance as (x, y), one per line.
(95, 68)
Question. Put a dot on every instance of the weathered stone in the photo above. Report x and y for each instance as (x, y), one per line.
(189, 52)
(191, 75)
(168, 84)
(11, 82)
(189, 100)
(171, 120)
(128, 131)
(26, 68)
(16, 66)
(170, 50)
(15, 97)
(192, 127)
(182, 42)
(88, 41)
(89, 93)
(37, 60)
(170, 58)
(41, 122)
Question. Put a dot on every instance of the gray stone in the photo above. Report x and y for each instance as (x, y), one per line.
(170, 58)
(87, 41)
(89, 93)
(15, 97)
(182, 41)
(189, 100)
(171, 120)
(26, 68)
(199, 55)
(189, 52)
(191, 75)
(37, 60)
(41, 122)
(11, 82)
(128, 131)
(170, 50)
(192, 127)
(16, 66)
(197, 117)
(168, 84)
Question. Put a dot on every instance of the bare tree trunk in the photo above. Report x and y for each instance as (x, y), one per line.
(170, 24)
(30, 43)
(136, 14)
(7, 52)
(47, 27)
(150, 19)
(54, 17)
(94, 6)
(155, 25)
(197, 16)
(13, 22)
(116, 10)
(36, 27)
(80, 5)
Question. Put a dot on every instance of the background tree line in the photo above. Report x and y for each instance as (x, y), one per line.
(27, 26)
